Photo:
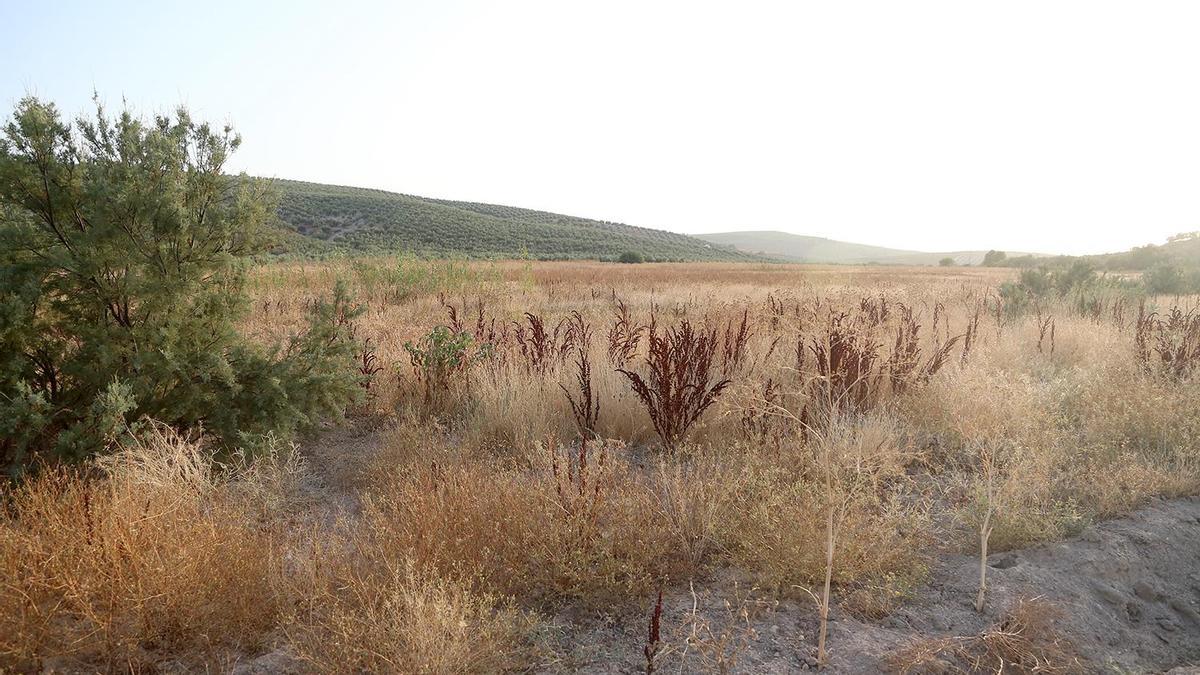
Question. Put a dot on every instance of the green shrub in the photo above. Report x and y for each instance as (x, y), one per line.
(1166, 279)
(441, 360)
(1080, 275)
(994, 258)
(631, 257)
(1037, 282)
(123, 247)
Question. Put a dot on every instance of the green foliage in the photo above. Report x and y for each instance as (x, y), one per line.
(313, 376)
(410, 276)
(1037, 282)
(1079, 275)
(331, 219)
(442, 358)
(1022, 261)
(946, 262)
(1171, 279)
(994, 258)
(631, 257)
(122, 258)
(1078, 281)
(1181, 251)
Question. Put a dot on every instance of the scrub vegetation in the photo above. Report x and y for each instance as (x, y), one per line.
(409, 465)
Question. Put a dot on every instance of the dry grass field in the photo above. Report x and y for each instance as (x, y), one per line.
(547, 447)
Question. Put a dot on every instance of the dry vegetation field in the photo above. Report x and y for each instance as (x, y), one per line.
(578, 438)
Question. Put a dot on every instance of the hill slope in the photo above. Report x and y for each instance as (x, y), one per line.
(821, 250)
(1182, 250)
(361, 220)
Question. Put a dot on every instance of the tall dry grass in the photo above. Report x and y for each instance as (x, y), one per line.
(872, 417)
(159, 554)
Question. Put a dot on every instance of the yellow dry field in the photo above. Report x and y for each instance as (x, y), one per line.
(508, 468)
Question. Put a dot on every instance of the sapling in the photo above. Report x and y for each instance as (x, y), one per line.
(988, 464)
(849, 465)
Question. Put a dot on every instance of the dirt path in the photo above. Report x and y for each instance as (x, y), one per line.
(1129, 591)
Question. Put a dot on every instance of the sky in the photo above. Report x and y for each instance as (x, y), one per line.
(1046, 126)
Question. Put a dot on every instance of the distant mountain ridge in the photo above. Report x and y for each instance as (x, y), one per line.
(802, 248)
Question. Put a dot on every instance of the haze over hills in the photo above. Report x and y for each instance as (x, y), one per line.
(801, 248)
(332, 218)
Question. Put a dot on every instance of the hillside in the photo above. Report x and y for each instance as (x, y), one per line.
(1182, 250)
(821, 250)
(359, 220)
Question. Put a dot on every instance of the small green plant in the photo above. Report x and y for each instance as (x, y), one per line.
(441, 360)
(631, 257)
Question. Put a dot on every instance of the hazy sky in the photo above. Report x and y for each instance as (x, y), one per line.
(1044, 126)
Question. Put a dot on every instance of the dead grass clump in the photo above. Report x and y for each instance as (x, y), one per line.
(583, 531)
(853, 470)
(716, 642)
(510, 412)
(398, 619)
(692, 502)
(160, 555)
(1026, 640)
(1124, 410)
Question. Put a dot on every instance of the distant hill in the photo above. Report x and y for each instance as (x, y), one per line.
(802, 248)
(1182, 250)
(329, 218)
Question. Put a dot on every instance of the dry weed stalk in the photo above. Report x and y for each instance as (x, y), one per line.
(1178, 343)
(368, 361)
(845, 358)
(776, 310)
(1045, 329)
(623, 336)
(720, 646)
(988, 464)
(971, 333)
(1168, 345)
(541, 349)
(677, 389)
(654, 636)
(849, 465)
(585, 410)
(759, 423)
(733, 344)
(485, 331)
(579, 479)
